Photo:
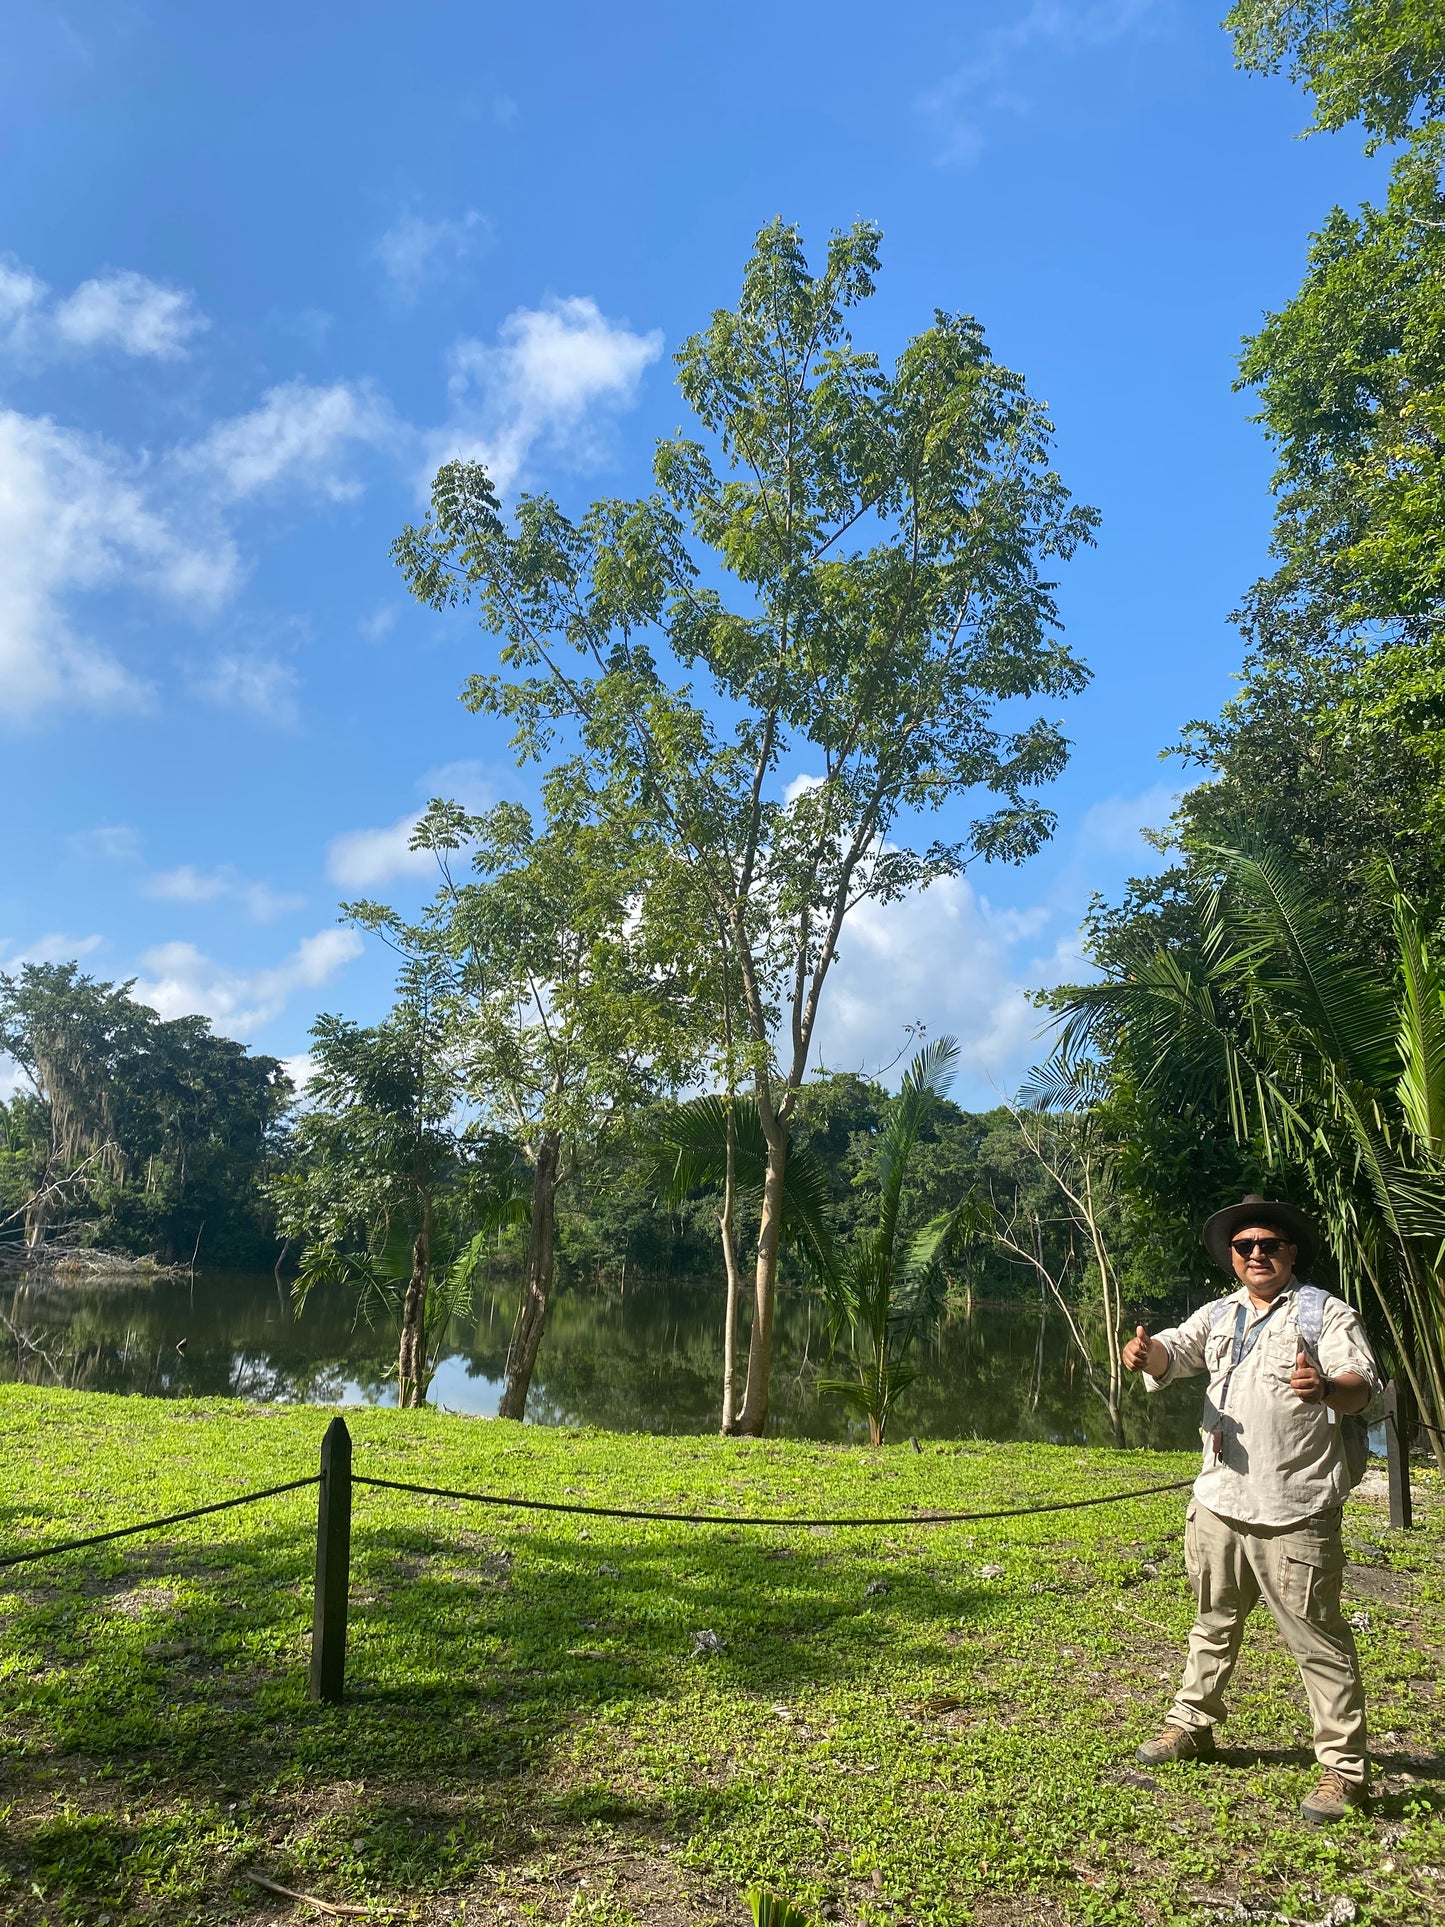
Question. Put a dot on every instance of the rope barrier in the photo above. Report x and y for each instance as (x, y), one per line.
(745, 1519)
(154, 1525)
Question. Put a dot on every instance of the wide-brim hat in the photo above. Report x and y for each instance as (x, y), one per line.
(1287, 1218)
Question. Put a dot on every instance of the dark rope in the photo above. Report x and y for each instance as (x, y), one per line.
(154, 1525)
(738, 1519)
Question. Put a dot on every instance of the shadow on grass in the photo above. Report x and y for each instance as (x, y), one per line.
(179, 1670)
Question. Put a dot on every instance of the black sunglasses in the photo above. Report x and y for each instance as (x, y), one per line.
(1266, 1247)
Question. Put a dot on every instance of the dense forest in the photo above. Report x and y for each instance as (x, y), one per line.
(1266, 1012)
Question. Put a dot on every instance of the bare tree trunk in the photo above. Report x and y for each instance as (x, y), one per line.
(730, 1260)
(411, 1364)
(754, 1415)
(537, 1284)
(1113, 1311)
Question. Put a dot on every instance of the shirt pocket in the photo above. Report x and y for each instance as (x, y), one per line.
(1278, 1352)
(1217, 1346)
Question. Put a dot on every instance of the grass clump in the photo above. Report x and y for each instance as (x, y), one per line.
(921, 1725)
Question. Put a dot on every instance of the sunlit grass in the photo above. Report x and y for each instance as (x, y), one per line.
(919, 1724)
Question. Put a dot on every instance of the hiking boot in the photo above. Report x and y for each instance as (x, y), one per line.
(1178, 1743)
(1333, 1798)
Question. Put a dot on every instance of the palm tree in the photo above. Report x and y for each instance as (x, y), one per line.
(888, 1288)
(1316, 1060)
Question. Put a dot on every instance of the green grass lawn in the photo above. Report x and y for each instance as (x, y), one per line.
(923, 1724)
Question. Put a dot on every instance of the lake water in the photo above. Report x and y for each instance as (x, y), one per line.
(649, 1361)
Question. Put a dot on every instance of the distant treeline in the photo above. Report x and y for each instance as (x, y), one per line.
(138, 1134)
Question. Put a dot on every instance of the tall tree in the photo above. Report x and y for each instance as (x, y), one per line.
(1332, 749)
(569, 996)
(137, 1132)
(392, 1183)
(885, 536)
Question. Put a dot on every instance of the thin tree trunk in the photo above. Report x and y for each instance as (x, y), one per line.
(754, 1415)
(537, 1284)
(1113, 1309)
(411, 1363)
(730, 1260)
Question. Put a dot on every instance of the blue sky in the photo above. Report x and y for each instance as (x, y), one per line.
(262, 268)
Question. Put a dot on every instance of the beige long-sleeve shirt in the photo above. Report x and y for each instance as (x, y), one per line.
(1281, 1459)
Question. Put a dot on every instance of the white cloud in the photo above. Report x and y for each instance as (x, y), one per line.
(942, 957)
(380, 622)
(74, 516)
(258, 685)
(300, 1069)
(950, 959)
(1115, 825)
(361, 859)
(299, 433)
(551, 372)
(187, 884)
(960, 104)
(130, 312)
(54, 947)
(108, 842)
(414, 251)
(178, 979)
(21, 295)
(122, 310)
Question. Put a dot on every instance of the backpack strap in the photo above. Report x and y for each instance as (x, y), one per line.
(1218, 1309)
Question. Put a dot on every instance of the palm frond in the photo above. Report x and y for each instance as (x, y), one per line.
(689, 1152)
(1421, 1035)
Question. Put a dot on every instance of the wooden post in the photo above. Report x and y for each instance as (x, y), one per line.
(333, 1566)
(1397, 1461)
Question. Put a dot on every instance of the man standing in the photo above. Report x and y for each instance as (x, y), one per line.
(1285, 1363)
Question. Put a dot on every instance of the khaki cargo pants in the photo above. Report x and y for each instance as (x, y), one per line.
(1297, 1571)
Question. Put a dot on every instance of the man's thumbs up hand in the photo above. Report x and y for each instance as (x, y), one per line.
(1136, 1352)
(1305, 1381)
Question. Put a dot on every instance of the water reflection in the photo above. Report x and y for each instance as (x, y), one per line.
(650, 1361)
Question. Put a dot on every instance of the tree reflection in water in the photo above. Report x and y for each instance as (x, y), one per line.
(649, 1361)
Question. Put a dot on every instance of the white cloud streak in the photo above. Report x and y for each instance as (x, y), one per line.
(187, 884)
(362, 859)
(259, 686)
(415, 252)
(122, 310)
(300, 435)
(542, 388)
(130, 312)
(75, 516)
(961, 104)
(177, 979)
(54, 947)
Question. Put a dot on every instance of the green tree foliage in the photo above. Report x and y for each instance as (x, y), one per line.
(885, 538)
(136, 1133)
(564, 990)
(1381, 62)
(392, 1190)
(1332, 749)
(1323, 1066)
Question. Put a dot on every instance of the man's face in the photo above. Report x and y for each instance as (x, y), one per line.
(1263, 1258)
